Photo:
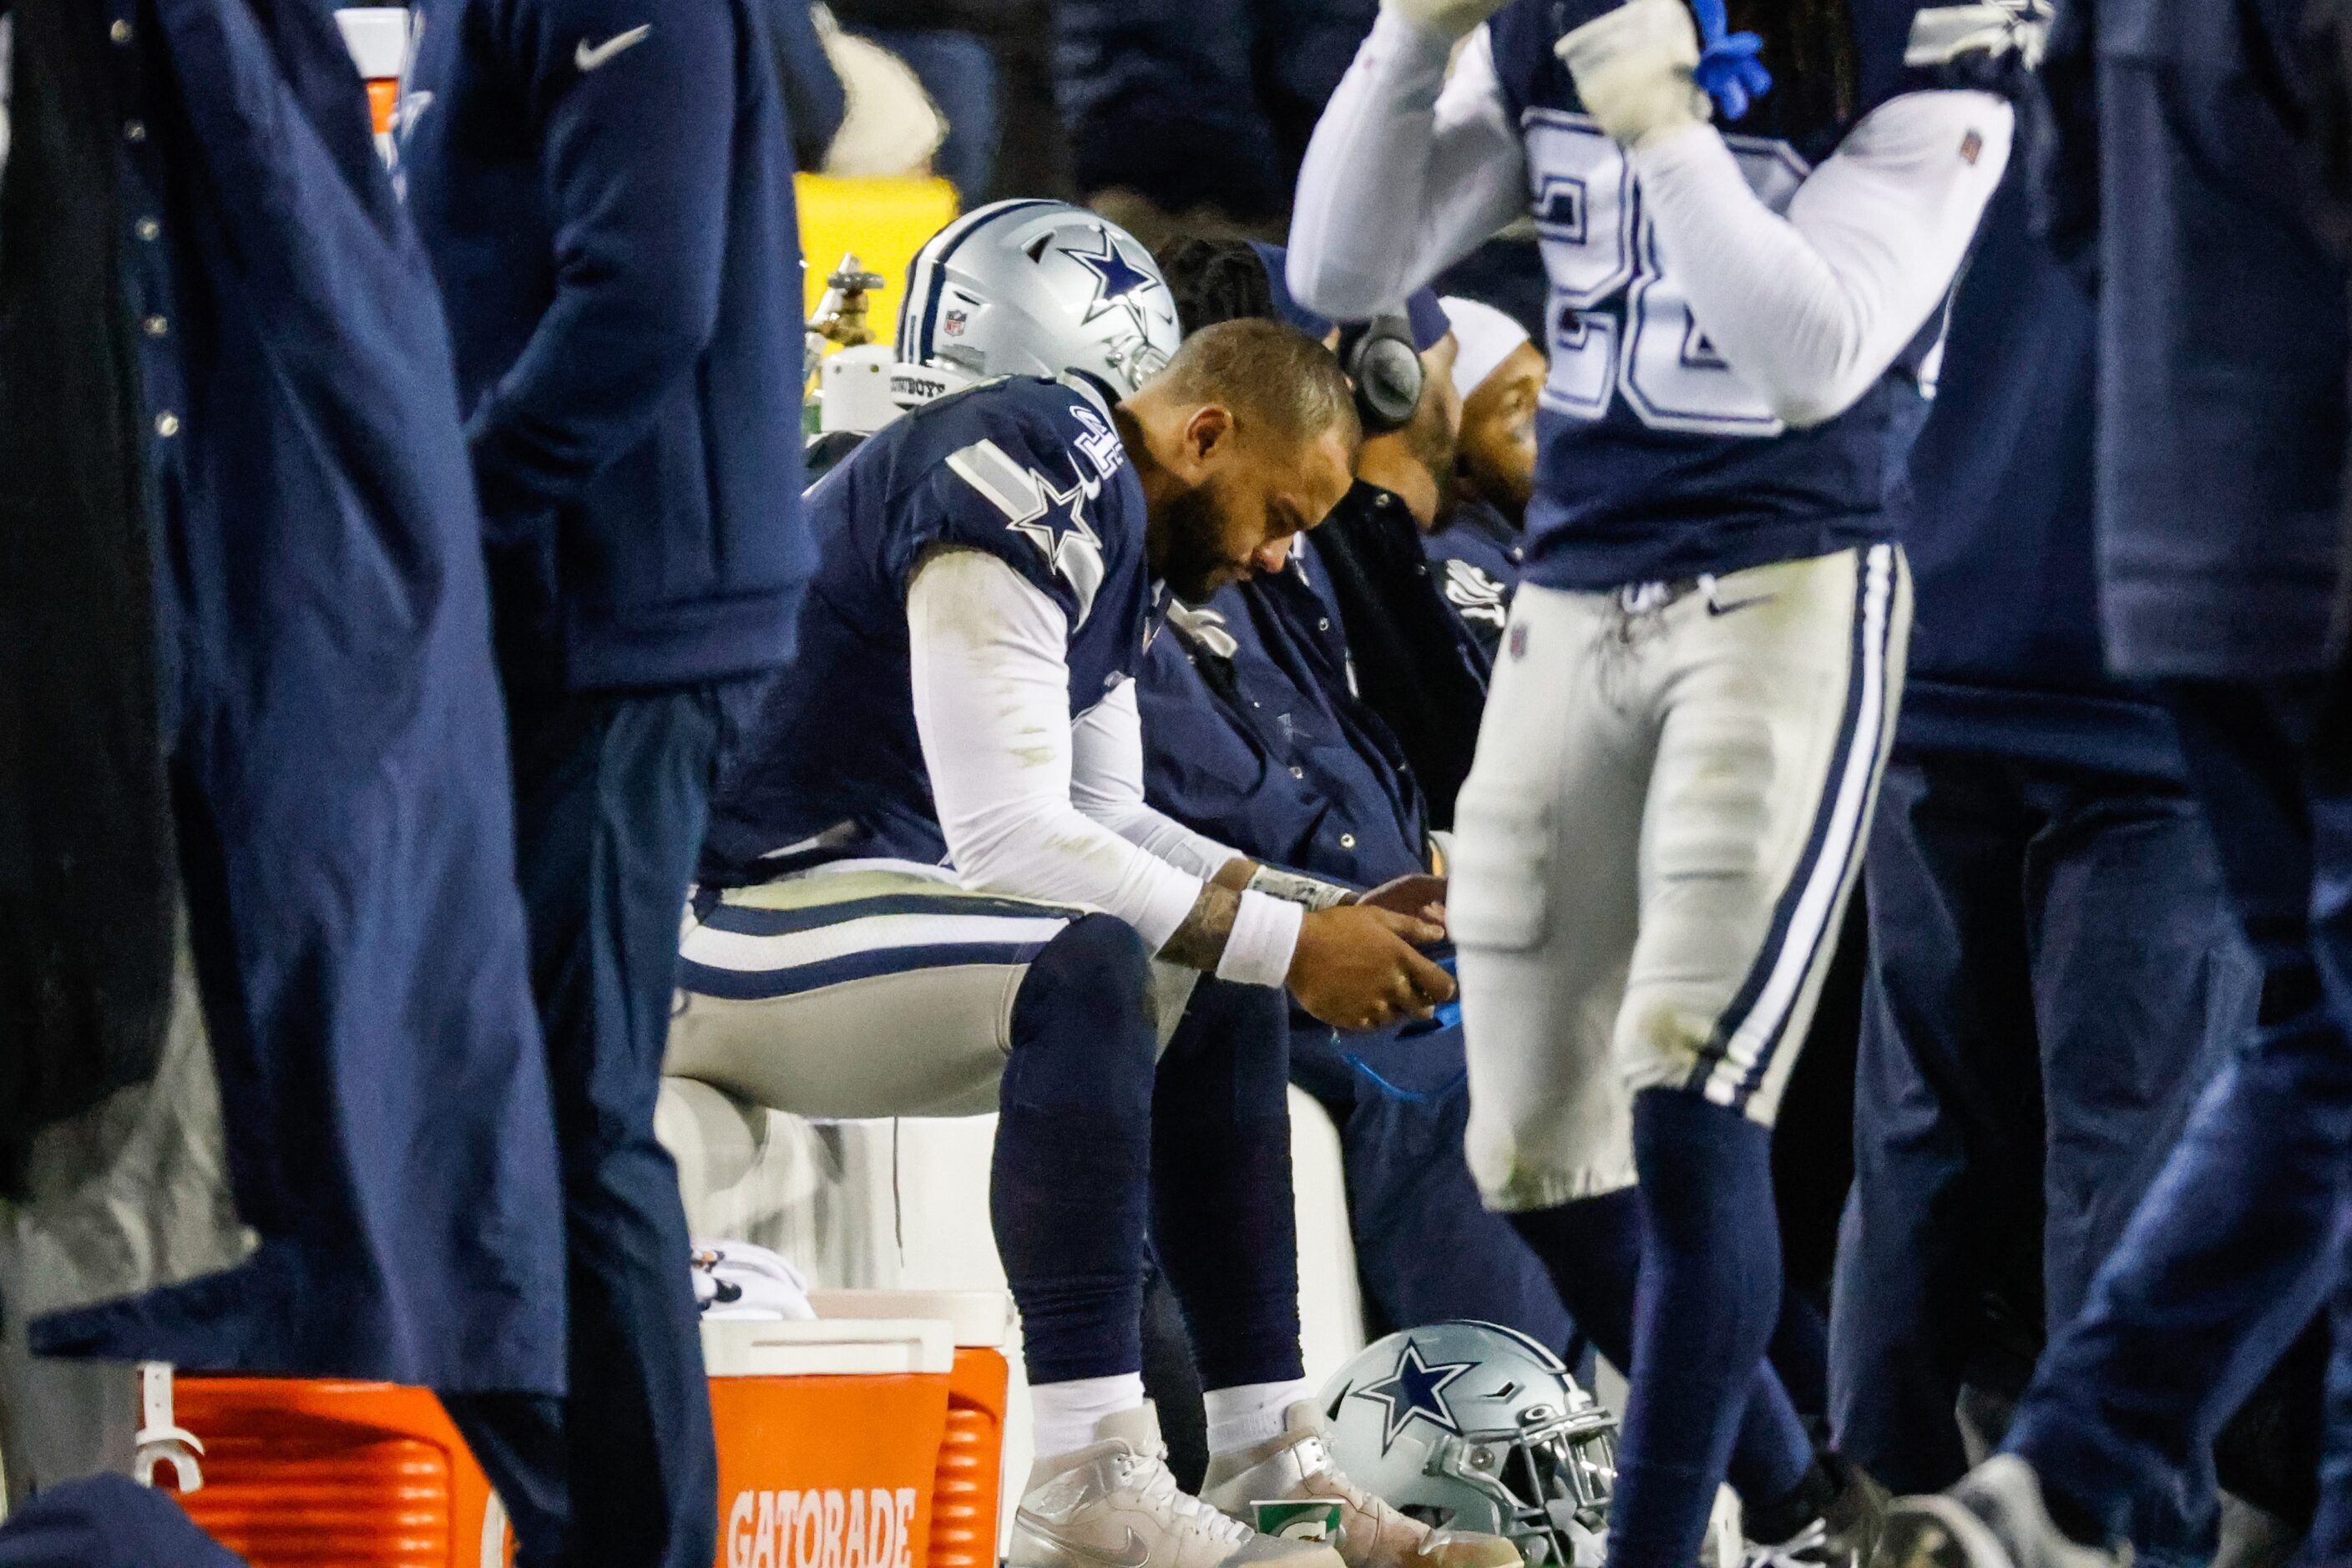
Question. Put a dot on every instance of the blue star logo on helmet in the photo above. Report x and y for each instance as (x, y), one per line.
(1416, 1388)
(1119, 282)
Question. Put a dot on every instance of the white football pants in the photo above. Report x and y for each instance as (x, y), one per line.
(866, 988)
(1654, 849)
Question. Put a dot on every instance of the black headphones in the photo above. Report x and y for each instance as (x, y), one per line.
(1380, 358)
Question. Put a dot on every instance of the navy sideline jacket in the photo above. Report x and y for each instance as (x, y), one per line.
(1252, 734)
(2222, 382)
(1997, 512)
(337, 745)
(605, 190)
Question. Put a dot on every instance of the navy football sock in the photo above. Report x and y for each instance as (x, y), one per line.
(1223, 1225)
(1070, 1187)
(1709, 1291)
(1591, 1248)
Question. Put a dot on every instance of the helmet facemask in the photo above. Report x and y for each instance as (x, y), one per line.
(1548, 1482)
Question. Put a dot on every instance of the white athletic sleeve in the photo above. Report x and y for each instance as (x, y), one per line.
(1808, 310)
(1106, 785)
(991, 687)
(1406, 171)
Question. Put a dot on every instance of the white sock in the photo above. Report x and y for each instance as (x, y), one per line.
(1066, 1414)
(1248, 1415)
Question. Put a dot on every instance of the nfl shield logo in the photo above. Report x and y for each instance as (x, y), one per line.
(952, 324)
(1518, 640)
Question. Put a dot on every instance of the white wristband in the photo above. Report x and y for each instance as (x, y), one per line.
(1264, 936)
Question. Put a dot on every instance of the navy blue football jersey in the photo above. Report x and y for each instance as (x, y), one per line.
(1477, 556)
(1656, 462)
(829, 765)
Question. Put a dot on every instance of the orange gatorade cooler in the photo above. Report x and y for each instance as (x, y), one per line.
(304, 1473)
(836, 1438)
(829, 1439)
(965, 1495)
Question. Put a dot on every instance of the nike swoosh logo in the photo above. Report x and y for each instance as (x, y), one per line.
(1715, 609)
(1137, 1554)
(588, 58)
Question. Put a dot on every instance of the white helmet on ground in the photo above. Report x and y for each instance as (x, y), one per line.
(1474, 1426)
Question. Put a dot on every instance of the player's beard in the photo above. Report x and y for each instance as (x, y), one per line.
(1195, 565)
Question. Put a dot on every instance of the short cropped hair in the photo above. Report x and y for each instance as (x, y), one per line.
(1268, 372)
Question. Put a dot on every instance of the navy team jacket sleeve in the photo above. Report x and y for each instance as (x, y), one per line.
(635, 117)
(2064, 155)
(814, 101)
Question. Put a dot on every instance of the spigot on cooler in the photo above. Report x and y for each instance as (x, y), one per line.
(840, 316)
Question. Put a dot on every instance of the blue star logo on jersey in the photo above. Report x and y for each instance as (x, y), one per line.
(1041, 512)
(1119, 282)
(1415, 1388)
(1062, 533)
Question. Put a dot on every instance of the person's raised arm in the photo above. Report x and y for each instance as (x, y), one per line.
(1406, 171)
(1808, 309)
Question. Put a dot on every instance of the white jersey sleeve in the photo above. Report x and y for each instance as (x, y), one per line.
(1406, 173)
(1808, 309)
(1106, 785)
(991, 686)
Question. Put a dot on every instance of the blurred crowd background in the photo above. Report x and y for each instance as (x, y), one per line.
(1170, 117)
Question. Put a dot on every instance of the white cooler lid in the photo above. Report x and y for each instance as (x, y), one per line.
(377, 36)
(977, 1317)
(861, 1347)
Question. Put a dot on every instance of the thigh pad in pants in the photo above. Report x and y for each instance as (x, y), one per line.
(869, 993)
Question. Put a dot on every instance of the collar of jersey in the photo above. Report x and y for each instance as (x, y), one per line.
(1095, 390)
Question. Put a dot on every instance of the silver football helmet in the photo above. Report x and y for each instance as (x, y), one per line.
(1037, 287)
(1477, 1426)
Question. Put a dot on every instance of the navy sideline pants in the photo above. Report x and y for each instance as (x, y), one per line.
(2240, 1240)
(2052, 976)
(1426, 1247)
(611, 793)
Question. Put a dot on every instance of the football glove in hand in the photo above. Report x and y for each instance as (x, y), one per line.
(1633, 70)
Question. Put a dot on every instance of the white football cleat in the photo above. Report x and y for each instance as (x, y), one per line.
(1113, 1504)
(1994, 1517)
(1296, 1465)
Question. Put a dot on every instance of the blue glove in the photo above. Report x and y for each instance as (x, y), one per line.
(1727, 66)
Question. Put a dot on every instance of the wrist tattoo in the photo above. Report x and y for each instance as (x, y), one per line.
(1200, 942)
